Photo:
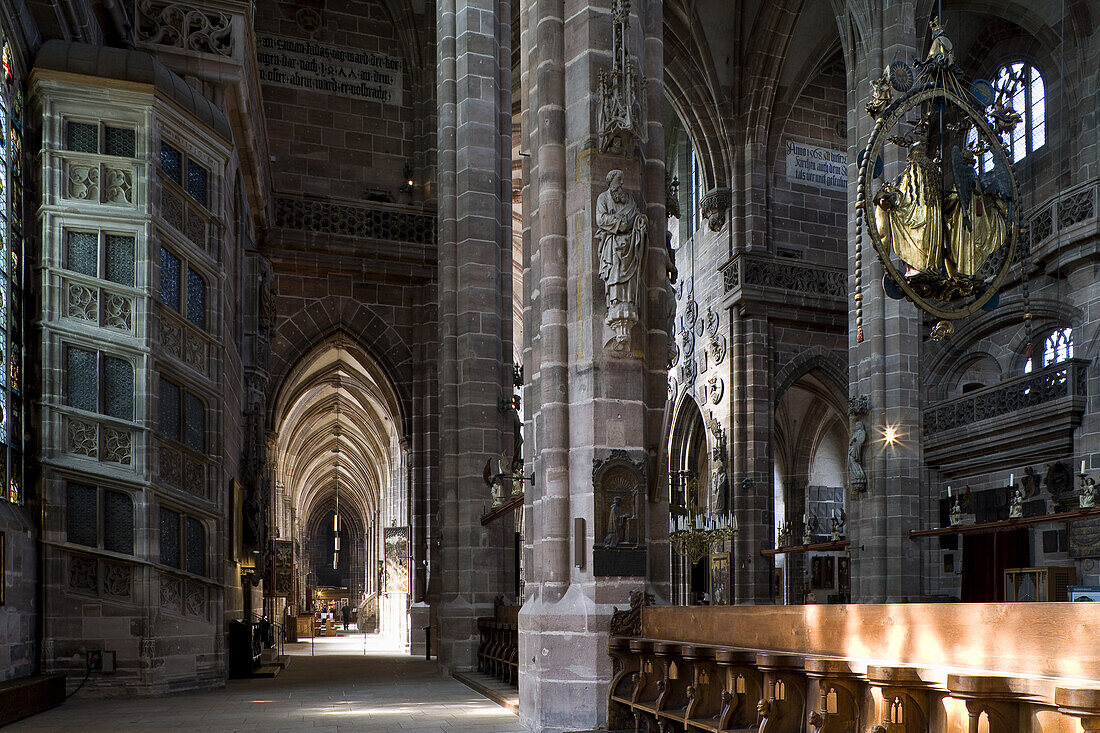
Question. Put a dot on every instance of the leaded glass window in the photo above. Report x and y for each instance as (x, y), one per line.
(118, 141)
(196, 298)
(82, 379)
(196, 547)
(82, 137)
(195, 427)
(119, 267)
(1057, 347)
(118, 522)
(169, 538)
(196, 181)
(81, 515)
(81, 250)
(118, 397)
(169, 415)
(11, 276)
(171, 162)
(169, 279)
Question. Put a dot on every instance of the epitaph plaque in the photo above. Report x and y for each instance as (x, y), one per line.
(1084, 538)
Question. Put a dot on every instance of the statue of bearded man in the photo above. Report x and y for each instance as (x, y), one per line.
(621, 244)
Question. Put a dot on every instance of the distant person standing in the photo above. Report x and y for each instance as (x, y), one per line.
(346, 613)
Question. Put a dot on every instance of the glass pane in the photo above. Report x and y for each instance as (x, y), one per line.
(171, 162)
(196, 182)
(169, 415)
(169, 279)
(81, 379)
(169, 538)
(82, 137)
(81, 515)
(195, 414)
(119, 393)
(196, 298)
(3, 428)
(118, 522)
(118, 141)
(120, 259)
(196, 547)
(81, 252)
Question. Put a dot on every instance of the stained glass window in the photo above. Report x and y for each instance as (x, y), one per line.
(81, 252)
(11, 276)
(169, 415)
(196, 547)
(118, 397)
(196, 298)
(118, 141)
(81, 515)
(169, 538)
(171, 162)
(82, 137)
(120, 260)
(169, 279)
(82, 379)
(196, 181)
(195, 428)
(118, 522)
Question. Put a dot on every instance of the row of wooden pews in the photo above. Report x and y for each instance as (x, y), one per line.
(703, 681)
(498, 648)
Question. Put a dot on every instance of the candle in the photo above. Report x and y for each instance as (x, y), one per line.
(1011, 479)
(735, 523)
(671, 525)
(948, 492)
(1082, 465)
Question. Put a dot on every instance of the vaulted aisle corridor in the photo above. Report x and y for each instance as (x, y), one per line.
(351, 684)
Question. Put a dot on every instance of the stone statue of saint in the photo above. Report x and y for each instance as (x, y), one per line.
(621, 243)
(721, 493)
(857, 477)
(616, 524)
(1087, 493)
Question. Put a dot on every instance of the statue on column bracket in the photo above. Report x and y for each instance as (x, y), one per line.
(857, 476)
(620, 239)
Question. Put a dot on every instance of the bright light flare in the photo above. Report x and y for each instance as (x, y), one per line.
(890, 435)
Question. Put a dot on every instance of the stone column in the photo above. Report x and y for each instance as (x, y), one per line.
(474, 90)
(595, 383)
(884, 367)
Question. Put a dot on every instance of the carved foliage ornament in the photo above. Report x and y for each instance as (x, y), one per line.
(946, 234)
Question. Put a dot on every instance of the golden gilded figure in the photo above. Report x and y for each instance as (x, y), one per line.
(909, 214)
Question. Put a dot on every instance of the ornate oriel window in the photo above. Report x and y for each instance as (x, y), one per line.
(99, 518)
(186, 297)
(11, 279)
(182, 416)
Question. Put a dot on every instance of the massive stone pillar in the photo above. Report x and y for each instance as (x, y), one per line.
(884, 367)
(595, 350)
(475, 267)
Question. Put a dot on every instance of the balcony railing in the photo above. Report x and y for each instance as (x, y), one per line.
(1057, 381)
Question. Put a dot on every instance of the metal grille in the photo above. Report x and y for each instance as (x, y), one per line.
(169, 409)
(196, 182)
(82, 379)
(82, 137)
(120, 259)
(171, 162)
(80, 252)
(169, 538)
(118, 376)
(195, 429)
(196, 547)
(81, 512)
(118, 141)
(196, 298)
(169, 279)
(118, 522)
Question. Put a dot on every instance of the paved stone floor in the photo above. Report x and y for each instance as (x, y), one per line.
(340, 690)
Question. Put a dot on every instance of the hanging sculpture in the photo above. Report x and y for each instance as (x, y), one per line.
(946, 228)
